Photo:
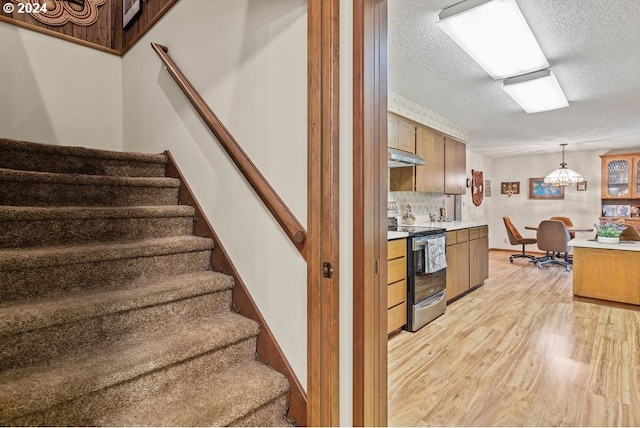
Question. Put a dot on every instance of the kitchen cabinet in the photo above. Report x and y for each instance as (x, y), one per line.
(621, 184)
(445, 169)
(430, 146)
(607, 274)
(478, 255)
(455, 165)
(401, 133)
(467, 260)
(457, 253)
(396, 284)
(392, 131)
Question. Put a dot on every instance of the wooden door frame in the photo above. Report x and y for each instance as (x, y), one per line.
(323, 287)
(369, 213)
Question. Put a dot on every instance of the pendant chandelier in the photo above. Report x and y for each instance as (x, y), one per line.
(563, 176)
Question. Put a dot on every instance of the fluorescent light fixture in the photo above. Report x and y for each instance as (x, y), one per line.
(536, 92)
(495, 34)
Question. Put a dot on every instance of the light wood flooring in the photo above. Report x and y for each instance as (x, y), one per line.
(519, 351)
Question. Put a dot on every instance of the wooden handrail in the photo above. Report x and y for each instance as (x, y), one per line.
(276, 206)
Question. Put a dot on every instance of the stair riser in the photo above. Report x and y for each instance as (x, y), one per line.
(270, 414)
(105, 407)
(30, 347)
(50, 162)
(43, 194)
(54, 280)
(31, 233)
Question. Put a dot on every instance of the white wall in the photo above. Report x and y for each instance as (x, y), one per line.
(248, 60)
(56, 92)
(582, 207)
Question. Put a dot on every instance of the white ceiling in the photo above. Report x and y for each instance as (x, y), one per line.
(593, 47)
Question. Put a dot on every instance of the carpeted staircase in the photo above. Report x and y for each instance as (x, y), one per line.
(109, 314)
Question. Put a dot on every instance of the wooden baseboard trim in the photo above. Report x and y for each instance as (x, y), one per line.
(268, 349)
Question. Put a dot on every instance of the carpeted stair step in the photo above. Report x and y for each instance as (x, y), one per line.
(29, 188)
(221, 400)
(79, 160)
(34, 330)
(80, 389)
(40, 226)
(47, 271)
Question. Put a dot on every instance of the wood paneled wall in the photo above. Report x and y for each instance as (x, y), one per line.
(106, 33)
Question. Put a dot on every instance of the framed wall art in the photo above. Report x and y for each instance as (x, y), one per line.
(510, 188)
(538, 189)
(581, 187)
(130, 11)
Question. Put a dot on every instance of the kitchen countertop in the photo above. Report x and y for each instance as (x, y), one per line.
(396, 235)
(448, 225)
(590, 243)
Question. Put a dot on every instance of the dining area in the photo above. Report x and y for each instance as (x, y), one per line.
(605, 266)
(552, 238)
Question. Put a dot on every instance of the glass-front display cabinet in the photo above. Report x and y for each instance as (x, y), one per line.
(621, 187)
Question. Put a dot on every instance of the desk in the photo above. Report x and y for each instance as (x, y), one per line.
(572, 229)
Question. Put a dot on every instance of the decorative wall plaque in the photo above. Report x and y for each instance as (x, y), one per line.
(60, 12)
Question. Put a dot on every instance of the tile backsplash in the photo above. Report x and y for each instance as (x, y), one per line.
(421, 203)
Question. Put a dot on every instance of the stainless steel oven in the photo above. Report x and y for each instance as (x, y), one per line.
(426, 278)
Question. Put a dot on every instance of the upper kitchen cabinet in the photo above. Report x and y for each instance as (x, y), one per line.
(430, 146)
(455, 165)
(621, 176)
(444, 171)
(401, 133)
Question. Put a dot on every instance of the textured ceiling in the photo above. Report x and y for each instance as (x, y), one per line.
(593, 47)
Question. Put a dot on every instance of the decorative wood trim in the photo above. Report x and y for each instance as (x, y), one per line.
(126, 45)
(260, 185)
(369, 213)
(323, 317)
(64, 37)
(268, 349)
(107, 34)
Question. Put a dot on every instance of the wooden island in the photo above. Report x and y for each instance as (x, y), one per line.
(606, 271)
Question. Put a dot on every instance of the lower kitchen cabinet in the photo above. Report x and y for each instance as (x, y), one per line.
(457, 252)
(478, 255)
(397, 284)
(467, 260)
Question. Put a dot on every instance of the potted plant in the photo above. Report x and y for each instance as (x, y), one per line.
(609, 233)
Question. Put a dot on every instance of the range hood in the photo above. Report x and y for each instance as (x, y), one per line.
(399, 158)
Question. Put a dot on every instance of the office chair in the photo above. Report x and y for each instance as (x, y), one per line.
(553, 238)
(630, 234)
(567, 222)
(516, 239)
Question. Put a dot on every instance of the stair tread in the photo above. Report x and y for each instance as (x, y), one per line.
(13, 213)
(37, 313)
(40, 386)
(216, 401)
(29, 146)
(86, 179)
(23, 258)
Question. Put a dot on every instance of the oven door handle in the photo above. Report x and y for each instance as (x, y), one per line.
(433, 300)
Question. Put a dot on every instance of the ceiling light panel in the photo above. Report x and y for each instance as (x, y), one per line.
(536, 92)
(495, 34)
